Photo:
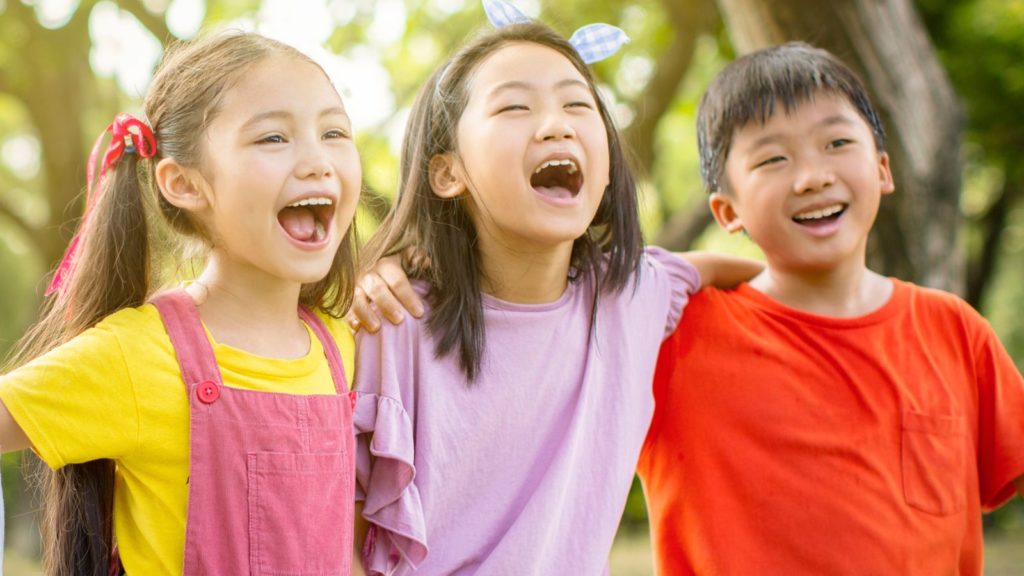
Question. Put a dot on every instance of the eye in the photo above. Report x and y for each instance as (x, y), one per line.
(335, 134)
(770, 161)
(271, 139)
(580, 104)
(512, 108)
(839, 142)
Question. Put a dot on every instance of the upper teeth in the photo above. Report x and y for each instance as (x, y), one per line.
(823, 213)
(311, 202)
(569, 163)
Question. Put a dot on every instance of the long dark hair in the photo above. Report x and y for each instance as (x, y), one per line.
(114, 270)
(442, 229)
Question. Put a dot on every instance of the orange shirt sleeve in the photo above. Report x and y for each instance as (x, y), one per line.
(1000, 417)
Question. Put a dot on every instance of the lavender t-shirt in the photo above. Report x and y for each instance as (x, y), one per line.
(525, 471)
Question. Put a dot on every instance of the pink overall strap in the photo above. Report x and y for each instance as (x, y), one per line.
(192, 347)
(330, 349)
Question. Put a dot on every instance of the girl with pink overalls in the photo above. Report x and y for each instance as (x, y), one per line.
(203, 430)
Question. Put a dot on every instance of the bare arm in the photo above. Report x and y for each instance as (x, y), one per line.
(722, 270)
(383, 291)
(12, 438)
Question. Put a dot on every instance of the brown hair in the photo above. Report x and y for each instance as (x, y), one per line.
(442, 229)
(114, 270)
(750, 87)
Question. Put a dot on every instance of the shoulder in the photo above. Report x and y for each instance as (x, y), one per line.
(941, 315)
(660, 267)
(128, 331)
(344, 338)
(939, 304)
(404, 338)
(339, 329)
(133, 321)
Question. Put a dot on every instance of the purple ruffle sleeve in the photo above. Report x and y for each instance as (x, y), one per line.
(385, 461)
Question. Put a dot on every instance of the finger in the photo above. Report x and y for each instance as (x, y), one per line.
(378, 292)
(353, 321)
(401, 289)
(363, 311)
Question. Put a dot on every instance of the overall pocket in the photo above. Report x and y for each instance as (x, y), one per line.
(934, 460)
(300, 513)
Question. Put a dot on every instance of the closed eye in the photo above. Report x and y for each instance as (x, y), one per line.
(512, 108)
(580, 104)
(769, 161)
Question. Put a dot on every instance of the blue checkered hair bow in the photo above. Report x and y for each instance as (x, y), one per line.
(593, 42)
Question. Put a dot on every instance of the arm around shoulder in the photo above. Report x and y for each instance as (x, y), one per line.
(722, 270)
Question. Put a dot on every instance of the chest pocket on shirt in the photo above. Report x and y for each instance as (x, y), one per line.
(934, 460)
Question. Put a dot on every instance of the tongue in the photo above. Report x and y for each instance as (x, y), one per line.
(553, 191)
(299, 223)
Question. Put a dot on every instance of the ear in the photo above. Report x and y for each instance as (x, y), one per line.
(888, 186)
(181, 186)
(446, 176)
(725, 212)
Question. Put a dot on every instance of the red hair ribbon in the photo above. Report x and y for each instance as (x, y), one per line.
(129, 135)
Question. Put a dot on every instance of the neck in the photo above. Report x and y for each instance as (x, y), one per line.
(840, 292)
(525, 277)
(247, 309)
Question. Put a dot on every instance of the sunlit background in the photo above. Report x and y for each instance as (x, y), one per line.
(59, 89)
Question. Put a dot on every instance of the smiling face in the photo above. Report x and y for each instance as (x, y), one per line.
(805, 185)
(532, 151)
(280, 172)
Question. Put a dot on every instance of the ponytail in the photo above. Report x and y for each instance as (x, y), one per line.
(106, 270)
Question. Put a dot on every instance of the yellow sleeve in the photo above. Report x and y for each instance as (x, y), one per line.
(76, 403)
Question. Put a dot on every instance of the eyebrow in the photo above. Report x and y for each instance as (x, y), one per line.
(841, 119)
(285, 115)
(520, 85)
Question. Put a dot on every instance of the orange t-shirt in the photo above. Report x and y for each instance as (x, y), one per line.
(789, 443)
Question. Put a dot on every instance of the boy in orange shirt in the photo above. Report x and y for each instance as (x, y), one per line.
(822, 419)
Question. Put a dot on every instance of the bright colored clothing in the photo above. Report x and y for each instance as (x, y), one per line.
(525, 471)
(116, 392)
(789, 443)
(271, 474)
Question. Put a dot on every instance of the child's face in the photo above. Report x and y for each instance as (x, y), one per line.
(806, 185)
(282, 137)
(533, 149)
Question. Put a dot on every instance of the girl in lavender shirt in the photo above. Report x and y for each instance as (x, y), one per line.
(503, 429)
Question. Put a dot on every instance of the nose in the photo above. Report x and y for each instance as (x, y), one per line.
(555, 126)
(313, 161)
(813, 175)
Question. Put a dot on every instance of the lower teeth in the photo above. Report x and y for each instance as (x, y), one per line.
(320, 231)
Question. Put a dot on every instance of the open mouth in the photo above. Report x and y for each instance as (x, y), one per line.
(557, 179)
(307, 220)
(821, 216)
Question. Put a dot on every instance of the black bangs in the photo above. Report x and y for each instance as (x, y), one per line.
(749, 89)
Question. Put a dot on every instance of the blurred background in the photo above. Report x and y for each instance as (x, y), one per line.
(947, 76)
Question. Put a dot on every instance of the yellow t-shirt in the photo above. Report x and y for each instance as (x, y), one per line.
(116, 392)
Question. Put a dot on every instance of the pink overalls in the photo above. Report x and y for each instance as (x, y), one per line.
(271, 476)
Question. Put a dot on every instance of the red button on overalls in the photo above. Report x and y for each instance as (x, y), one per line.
(208, 392)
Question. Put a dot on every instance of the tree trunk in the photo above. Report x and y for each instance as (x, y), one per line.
(918, 229)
